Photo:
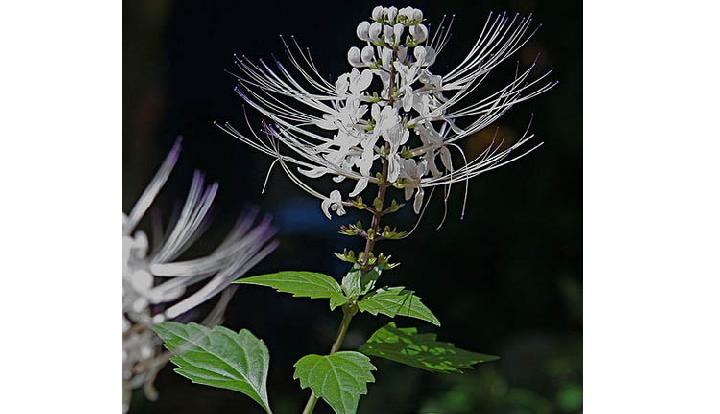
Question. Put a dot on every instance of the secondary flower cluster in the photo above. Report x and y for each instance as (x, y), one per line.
(390, 119)
(154, 281)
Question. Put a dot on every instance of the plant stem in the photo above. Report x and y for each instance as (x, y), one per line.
(350, 310)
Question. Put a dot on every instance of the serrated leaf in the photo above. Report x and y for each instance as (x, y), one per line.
(397, 301)
(357, 283)
(406, 346)
(339, 379)
(350, 284)
(219, 357)
(301, 285)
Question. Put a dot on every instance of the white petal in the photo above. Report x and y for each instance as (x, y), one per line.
(363, 31)
(398, 31)
(359, 187)
(407, 100)
(141, 281)
(419, 32)
(402, 53)
(325, 206)
(417, 204)
(313, 172)
(419, 53)
(431, 55)
(339, 210)
(392, 12)
(327, 122)
(417, 15)
(342, 83)
(365, 162)
(362, 82)
(393, 168)
(375, 112)
(335, 196)
(375, 31)
(367, 55)
(409, 192)
(446, 158)
(353, 57)
(388, 34)
(378, 13)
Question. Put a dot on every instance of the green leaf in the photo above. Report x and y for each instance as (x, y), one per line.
(406, 346)
(397, 301)
(301, 285)
(357, 283)
(218, 357)
(351, 284)
(339, 379)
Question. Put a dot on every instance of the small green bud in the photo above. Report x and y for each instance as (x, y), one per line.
(378, 204)
(347, 256)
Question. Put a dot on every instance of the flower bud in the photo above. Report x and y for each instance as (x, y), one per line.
(377, 13)
(417, 15)
(388, 34)
(406, 13)
(392, 12)
(419, 52)
(367, 55)
(375, 31)
(353, 57)
(363, 31)
(398, 31)
(431, 55)
(387, 57)
(402, 53)
(425, 55)
(419, 32)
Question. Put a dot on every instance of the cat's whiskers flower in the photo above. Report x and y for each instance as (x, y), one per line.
(346, 129)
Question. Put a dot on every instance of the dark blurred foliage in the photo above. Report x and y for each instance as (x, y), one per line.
(505, 280)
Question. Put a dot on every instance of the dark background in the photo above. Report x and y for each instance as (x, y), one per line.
(506, 280)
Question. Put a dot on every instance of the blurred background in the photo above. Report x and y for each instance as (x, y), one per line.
(506, 280)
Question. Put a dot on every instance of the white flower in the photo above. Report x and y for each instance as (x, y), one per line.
(417, 15)
(378, 13)
(367, 55)
(419, 32)
(354, 57)
(363, 31)
(334, 203)
(154, 280)
(366, 130)
(392, 12)
(406, 12)
(376, 30)
(412, 173)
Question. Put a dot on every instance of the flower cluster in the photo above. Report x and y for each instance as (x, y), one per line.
(154, 281)
(390, 120)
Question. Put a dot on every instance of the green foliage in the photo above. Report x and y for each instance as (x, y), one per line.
(219, 357)
(339, 379)
(357, 283)
(352, 284)
(396, 301)
(394, 206)
(406, 346)
(393, 234)
(352, 229)
(301, 285)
